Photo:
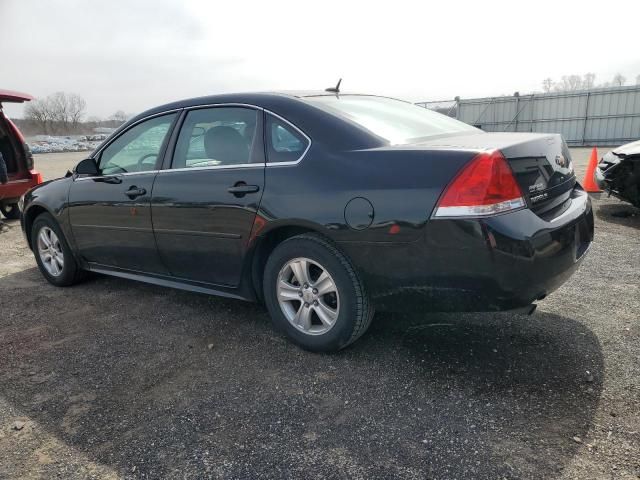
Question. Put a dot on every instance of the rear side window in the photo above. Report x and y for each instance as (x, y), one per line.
(285, 143)
(212, 137)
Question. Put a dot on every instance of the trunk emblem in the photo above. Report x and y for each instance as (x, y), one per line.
(538, 198)
(536, 187)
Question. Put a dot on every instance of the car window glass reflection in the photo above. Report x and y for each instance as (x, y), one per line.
(212, 137)
(286, 144)
(137, 149)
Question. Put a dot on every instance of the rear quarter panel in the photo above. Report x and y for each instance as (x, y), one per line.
(402, 184)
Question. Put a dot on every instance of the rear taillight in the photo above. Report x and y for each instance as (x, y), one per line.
(37, 177)
(486, 186)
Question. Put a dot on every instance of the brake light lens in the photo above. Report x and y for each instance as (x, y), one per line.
(36, 176)
(485, 187)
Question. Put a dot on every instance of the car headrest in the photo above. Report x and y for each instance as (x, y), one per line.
(227, 145)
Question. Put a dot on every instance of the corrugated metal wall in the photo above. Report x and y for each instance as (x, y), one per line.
(603, 116)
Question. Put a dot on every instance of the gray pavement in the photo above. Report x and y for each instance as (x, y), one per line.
(117, 379)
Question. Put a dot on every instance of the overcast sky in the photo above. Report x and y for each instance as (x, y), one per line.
(132, 55)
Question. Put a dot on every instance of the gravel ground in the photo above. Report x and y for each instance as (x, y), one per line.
(117, 379)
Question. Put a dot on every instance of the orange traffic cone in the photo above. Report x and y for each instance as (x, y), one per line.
(588, 183)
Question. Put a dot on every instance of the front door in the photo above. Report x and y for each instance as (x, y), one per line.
(110, 213)
(205, 204)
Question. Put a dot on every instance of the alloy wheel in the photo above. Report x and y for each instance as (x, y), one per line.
(50, 251)
(308, 296)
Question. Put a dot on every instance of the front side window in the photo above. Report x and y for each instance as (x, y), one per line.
(218, 136)
(285, 143)
(396, 121)
(138, 148)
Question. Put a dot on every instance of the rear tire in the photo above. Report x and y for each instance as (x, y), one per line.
(322, 319)
(53, 255)
(10, 211)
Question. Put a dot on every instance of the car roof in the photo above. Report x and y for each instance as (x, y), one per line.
(269, 100)
(315, 122)
(319, 93)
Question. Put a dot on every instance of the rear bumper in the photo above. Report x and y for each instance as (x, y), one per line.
(12, 191)
(499, 263)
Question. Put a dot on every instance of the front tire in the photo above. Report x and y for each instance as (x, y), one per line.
(314, 295)
(53, 255)
(10, 211)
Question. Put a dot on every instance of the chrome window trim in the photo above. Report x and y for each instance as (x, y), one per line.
(213, 167)
(125, 174)
(301, 157)
(217, 167)
(232, 104)
(279, 117)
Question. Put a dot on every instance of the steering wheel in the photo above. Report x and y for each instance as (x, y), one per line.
(143, 158)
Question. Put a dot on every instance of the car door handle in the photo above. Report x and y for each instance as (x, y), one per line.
(240, 189)
(134, 192)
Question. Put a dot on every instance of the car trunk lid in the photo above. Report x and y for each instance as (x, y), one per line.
(9, 96)
(541, 164)
(15, 151)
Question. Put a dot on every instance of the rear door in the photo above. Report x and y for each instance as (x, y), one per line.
(110, 213)
(205, 203)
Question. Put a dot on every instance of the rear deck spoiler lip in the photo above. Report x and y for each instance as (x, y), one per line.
(14, 97)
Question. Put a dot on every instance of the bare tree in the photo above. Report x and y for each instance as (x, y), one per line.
(547, 84)
(61, 110)
(619, 80)
(58, 107)
(76, 107)
(119, 116)
(39, 112)
(588, 80)
(571, 82)
(637, 79)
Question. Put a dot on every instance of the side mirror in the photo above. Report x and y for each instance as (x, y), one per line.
(87, 166)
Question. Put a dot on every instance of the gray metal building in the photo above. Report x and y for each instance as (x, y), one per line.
(601, 116)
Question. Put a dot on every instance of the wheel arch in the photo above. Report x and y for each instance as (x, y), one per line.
(267, 242)
(33, 212)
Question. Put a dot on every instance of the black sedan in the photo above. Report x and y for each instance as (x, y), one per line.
(325, 206)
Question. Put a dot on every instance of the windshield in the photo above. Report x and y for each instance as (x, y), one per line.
(394, 120)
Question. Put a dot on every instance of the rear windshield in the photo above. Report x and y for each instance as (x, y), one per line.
(396, 121)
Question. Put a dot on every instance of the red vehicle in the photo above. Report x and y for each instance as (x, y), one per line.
(17, 174)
